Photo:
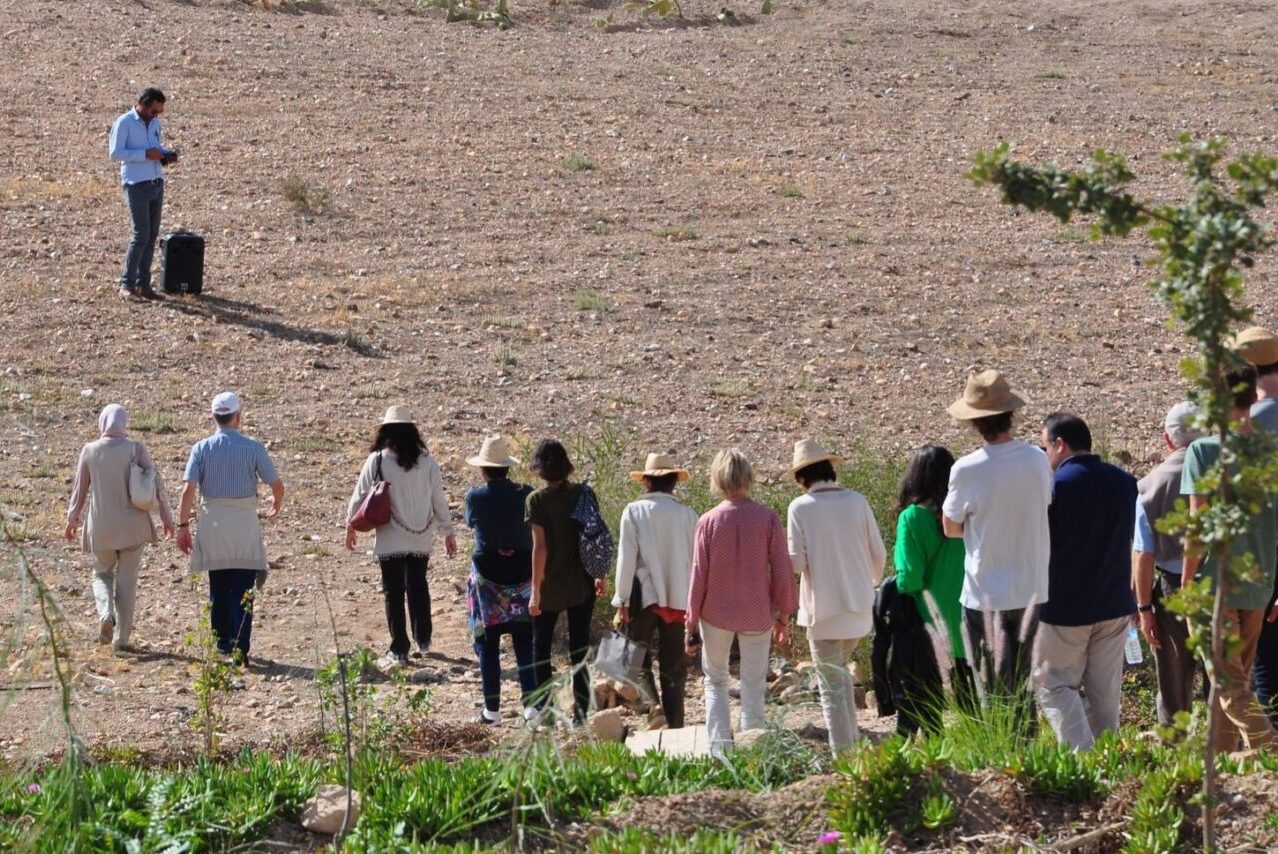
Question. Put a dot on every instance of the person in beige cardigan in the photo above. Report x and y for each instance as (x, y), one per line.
(114, 531)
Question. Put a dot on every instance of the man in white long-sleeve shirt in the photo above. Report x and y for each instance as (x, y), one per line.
(838, 554)
(654, 570)
(135, 142)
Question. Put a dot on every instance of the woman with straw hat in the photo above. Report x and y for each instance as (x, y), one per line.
(500, 580)
(654, 565)
(419, 511)
(115, 530)
(838, 553)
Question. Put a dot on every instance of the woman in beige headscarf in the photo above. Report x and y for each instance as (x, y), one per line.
(114, 531)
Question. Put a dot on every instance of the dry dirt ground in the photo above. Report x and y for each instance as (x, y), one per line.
(775, 240)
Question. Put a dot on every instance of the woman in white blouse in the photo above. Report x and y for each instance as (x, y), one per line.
(419, 511)
(114, 531)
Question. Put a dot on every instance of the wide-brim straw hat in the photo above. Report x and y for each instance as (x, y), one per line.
(398, 415)
(987, 393)
(1256, 344)
(660, 465)
(493, 455)
(808, 451)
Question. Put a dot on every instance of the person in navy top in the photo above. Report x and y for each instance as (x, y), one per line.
(1078, 654)
(136, 143)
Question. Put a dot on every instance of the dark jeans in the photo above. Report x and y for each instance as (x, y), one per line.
(1002, 643)
(405, 576)
(578, 646)
(231, 612)
(488, 650)
(1174, 663)
(671, 658)
(145, 203)
(1264, 673)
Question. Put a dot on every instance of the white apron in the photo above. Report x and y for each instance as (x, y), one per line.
(229, 536)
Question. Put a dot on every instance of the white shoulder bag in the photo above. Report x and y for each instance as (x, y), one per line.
(141, 484)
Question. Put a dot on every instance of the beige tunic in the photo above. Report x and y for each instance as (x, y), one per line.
(102, 480)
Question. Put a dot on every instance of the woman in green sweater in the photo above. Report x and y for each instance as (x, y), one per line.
(929, 570)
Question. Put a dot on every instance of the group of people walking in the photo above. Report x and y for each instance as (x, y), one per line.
(1016, 566)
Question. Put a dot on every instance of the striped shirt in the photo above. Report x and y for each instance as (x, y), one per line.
(742, 578)
(228, 465)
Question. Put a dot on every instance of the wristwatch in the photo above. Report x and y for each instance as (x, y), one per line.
(1145, 609)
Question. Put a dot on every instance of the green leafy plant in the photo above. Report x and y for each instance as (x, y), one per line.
(938, 810)
(787, 191)
(661, 8)
(1202, 246)
(304, 197)
(875, 782)
(588, 300)
(212, 683)
(676, 234)
(577, 163)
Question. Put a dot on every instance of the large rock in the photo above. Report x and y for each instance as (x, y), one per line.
(325, 812)
(784, 681)
(749, 737)
(608, 726)
(627, 691)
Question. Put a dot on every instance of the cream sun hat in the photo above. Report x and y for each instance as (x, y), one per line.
(659, 465)
(808, 451)
(987, 393)
(398, 415)
(1256, 344)
(493, 455)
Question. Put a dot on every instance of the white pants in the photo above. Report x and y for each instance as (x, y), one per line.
(1078, 676)
(831, 658)
(716, 645)
(115, 588)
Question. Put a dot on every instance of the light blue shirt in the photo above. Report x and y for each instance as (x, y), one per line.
(228, 465)
(1143, 540)
(130, 139)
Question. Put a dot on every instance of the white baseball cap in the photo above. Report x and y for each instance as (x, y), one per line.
(226, 403)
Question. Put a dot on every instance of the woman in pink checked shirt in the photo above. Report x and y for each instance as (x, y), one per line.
(743, 587)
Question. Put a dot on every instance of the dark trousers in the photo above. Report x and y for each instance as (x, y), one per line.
(488, 650)
(405, 576)
(1002, 643)
(1174, 663)
(578, 646)
(145, 202)
(671, 658)
(1264, 673)
(231, 609)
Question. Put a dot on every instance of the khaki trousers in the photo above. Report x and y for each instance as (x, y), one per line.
(1245, 723)
(115, 588)
(1078, 677)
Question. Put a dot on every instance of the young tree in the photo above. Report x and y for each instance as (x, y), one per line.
(1202, 247)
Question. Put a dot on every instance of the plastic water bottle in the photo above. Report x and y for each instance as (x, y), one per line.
(1131, 649)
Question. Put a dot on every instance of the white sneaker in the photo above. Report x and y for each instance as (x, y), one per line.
(390, 662)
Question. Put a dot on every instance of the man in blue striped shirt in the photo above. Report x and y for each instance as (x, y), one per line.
(135, 142)
(225, 469)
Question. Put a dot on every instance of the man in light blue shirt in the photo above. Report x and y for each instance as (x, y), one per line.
(135, 142)
(1157, 564)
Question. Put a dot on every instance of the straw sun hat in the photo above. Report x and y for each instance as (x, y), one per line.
(987, 393)
(398, 415)
(807, 452)
(660, 465)
(1256, 344)
(494, 455)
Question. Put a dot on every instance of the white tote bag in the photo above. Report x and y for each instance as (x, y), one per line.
(141, 484)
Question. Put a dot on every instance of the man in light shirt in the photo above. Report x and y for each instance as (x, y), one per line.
(654, 567)
(997, 502)
(136, 143)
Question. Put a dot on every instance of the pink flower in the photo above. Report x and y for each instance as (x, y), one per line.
(33, 789)
(830, 837)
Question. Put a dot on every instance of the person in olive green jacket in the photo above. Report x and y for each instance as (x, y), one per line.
(929, 569)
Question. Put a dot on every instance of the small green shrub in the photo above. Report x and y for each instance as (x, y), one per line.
(577, 163)
(588, 300)
(1054, 769)
(876, 780)
(676, 234)
(145, 421)
(305, 198)
(787, 191)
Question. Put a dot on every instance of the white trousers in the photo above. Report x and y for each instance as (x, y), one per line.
(834, 680)
(115, 588)
(1078, 677)
(716, 645)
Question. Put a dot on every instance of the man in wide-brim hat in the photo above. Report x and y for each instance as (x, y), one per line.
(1259, 347)
(654, 567)
(997, 502)
(838, 554)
